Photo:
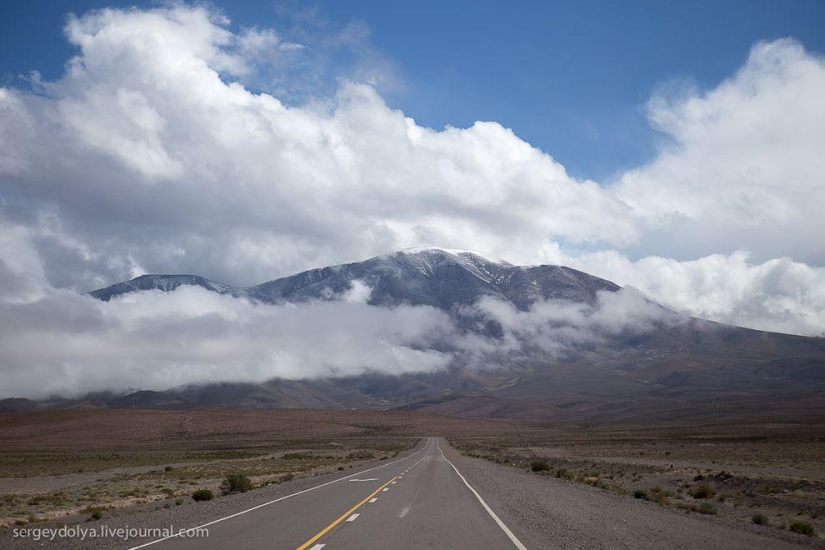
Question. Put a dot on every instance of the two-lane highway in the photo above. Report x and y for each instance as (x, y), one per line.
(429, 505)
(419, 501)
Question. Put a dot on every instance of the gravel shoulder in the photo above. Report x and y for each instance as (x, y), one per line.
(550, 513)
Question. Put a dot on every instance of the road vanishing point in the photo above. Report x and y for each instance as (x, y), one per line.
(419, 501)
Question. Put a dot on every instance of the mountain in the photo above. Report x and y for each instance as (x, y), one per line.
(165, 283)
(675, 367)
(435, 277)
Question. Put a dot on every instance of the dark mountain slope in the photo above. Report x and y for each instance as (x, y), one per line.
(433, 277)
(166, 283)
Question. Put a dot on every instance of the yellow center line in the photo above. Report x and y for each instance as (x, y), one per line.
(346, 514)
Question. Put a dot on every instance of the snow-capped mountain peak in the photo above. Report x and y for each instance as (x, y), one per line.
(427, 259)
(455, 252)
(437, 277)
(165, 283)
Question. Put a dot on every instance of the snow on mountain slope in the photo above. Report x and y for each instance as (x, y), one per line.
(166, 283)
(437, 277)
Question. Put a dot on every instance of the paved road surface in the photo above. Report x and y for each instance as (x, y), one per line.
(420, 501)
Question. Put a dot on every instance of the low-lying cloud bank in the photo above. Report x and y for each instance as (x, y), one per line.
(64, 343)
(778, 295)
(558, 329)
(67, 344)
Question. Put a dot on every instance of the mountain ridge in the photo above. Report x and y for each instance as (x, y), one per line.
(401, 277)
(689, 365)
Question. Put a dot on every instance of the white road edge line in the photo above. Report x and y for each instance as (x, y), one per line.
(242, 512)
(317, 547)
(372, 500)
(513, 538)
(353, 517)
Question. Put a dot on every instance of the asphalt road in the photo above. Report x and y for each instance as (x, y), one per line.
(420, 501)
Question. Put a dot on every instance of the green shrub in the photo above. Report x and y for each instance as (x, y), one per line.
(639, 493)
(178, 502)
(539, 466)
(168, 469)
(202, 494)
(564, 473)
(802, 527)
(703, 490)
(97, 515)
(760, 519)
(708, 508)
(297, 456)
(57, 498)
(236, 483)
(361, 455)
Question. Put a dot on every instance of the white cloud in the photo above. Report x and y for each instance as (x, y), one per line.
(258, 42)
(778, 295)
(62, 343)
(359, 293)
(744, 168)
(557, 329)
(68, 344)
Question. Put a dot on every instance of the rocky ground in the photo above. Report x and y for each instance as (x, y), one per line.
(770, 477)
(561, 514)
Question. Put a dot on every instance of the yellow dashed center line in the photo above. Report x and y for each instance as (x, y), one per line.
(346, 514)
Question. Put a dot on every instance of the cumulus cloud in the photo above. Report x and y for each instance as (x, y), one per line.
(743, 167)
(149, 155)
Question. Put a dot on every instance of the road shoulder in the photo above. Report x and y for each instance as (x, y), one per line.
(550, 513)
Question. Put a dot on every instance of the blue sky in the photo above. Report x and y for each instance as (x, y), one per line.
(571, 78)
